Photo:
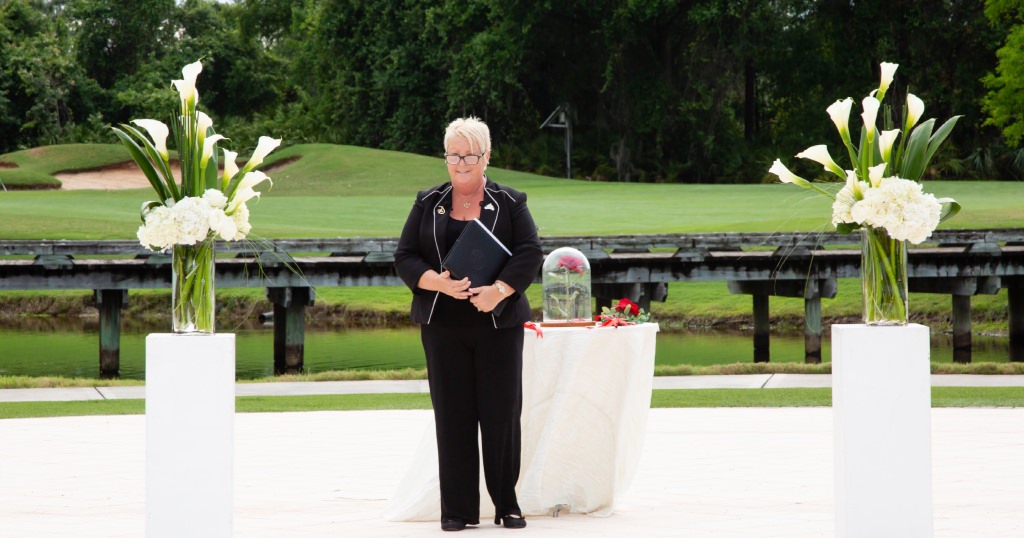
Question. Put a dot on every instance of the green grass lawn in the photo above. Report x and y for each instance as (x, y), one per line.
(941, 397)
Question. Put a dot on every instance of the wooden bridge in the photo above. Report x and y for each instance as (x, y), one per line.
(959, 263)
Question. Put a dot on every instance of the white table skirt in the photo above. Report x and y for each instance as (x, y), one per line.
(586, 394)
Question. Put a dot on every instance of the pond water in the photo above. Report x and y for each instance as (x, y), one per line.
(70, 348)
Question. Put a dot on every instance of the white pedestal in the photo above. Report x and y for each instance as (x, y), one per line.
(881, 404)
(190, 408)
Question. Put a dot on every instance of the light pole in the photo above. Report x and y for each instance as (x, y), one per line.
(561, 119)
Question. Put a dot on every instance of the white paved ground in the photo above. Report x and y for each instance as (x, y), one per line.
(704, 472)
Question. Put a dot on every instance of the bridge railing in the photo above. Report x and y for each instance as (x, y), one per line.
(960, 263)
(718, 241)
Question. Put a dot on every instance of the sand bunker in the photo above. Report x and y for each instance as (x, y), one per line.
(120, 176)
(128, 176)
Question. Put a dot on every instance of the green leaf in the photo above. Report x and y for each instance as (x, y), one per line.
(950, 208)
(939, 137)
(847, 227)
(170, 188)
(140, 159)
(915, 160)
(212, 181)
(861, 166)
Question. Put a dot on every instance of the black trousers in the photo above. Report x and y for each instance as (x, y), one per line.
(476, 378)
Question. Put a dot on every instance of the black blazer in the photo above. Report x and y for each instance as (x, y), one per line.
(422, 246)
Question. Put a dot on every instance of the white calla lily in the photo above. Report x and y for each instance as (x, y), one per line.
(875, 173)
(158, 131)
(885, 142)
(856, 186)
(230, 168)
(915, 109)
(240, 198)
(840, 114)
(263, 148)
(187, 86)
(820, 155)
(245, 191)
(888, 72)
(869, 115)
(251, 179)
(203, 124)
(786, 176)
(208, 145)
(203, 121)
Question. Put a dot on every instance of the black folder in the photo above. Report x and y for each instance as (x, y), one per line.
(476, 254)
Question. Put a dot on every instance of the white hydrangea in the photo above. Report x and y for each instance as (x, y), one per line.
(158, 230)
(849, 195)
(215, 198)
(223, 225)
(192, 220)
(901, 207)
(241, 218)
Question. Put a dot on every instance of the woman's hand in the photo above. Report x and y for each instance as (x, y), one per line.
(442, 282)
(485, 298)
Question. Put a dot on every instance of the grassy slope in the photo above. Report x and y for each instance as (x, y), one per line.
(34, 167)
(350, 191)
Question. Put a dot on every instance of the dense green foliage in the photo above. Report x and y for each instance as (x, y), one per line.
(657, 91)
(1005, 102)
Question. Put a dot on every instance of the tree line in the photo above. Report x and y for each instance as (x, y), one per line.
(658, 90)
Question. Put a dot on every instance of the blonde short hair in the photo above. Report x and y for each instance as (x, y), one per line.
(472, 129)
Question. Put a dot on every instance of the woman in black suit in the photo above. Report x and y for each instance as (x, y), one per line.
(472, 332)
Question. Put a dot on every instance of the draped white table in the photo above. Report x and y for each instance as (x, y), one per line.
(586, 395)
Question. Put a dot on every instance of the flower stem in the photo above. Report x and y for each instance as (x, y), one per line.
(883, 273)
(193, 287)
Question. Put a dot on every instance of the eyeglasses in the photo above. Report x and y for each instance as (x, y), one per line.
(454, 158)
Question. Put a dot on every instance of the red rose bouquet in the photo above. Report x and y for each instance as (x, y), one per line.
(625, 313)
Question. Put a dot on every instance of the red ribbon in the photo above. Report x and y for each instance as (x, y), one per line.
(612, 321)
(535, 328)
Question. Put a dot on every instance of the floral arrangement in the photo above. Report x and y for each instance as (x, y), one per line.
(625, 313)
(203, 205)
(882, 188)
(882, 194)
(188, 216)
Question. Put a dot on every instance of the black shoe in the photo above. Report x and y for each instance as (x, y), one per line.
(511, 521)
(453, 524)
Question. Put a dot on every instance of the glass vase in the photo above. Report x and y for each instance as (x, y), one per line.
(883, 266)
(192, 288)
(566, 286)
